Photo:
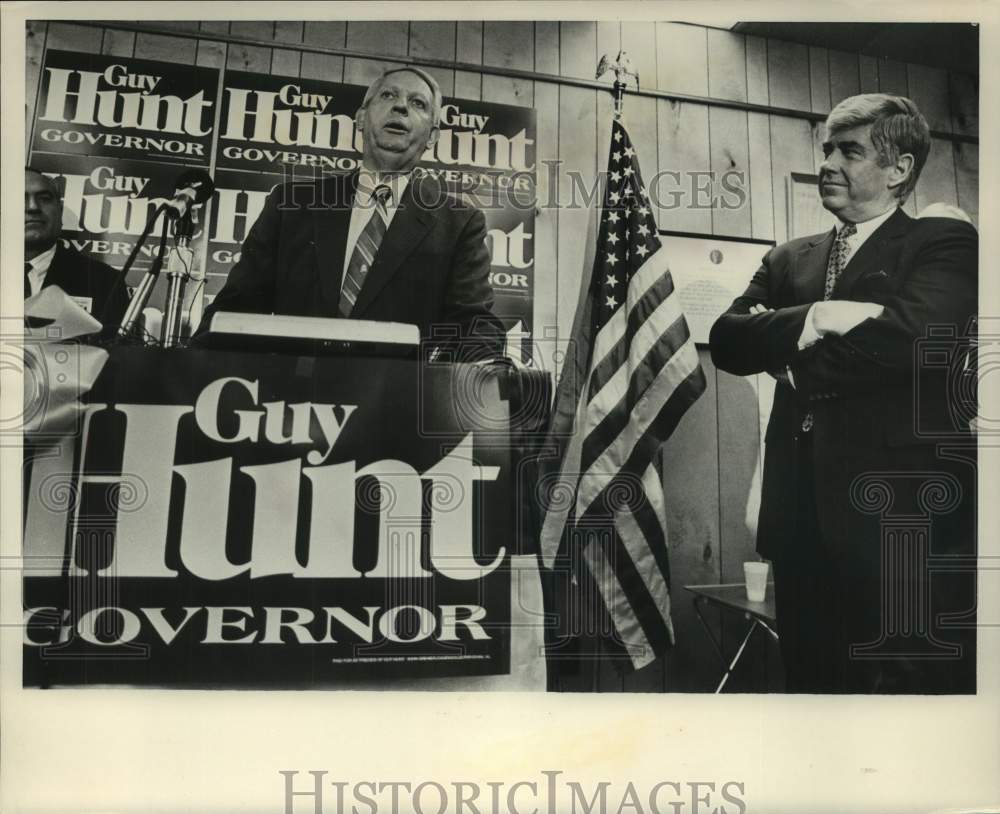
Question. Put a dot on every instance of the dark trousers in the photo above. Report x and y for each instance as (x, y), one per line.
(808, 597)
(825, 606)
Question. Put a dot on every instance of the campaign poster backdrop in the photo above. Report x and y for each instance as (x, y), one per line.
(108, 111)
(119, 107)
(238, 201)
(107, 204)
(281, 124)
(258, 520)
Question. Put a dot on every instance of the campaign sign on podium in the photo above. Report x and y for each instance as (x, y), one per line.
(235, 519)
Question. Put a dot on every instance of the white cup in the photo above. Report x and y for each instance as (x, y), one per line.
(755, 574)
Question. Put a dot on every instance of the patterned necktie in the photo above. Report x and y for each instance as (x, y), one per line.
(838, 259)
(834, 268)
(27, 280)
(365, 250)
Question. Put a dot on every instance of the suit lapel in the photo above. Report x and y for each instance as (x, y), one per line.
(809, 275)
(410, 224)
(330, 226)
(58, 274)
(874, 253)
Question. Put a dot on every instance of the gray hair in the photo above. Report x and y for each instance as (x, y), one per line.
(436, 95)
(898, 127)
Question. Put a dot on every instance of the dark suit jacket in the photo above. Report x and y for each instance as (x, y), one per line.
(431, 269)
(80, 275)
(875, 410)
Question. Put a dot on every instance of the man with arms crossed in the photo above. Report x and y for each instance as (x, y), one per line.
(836, 319)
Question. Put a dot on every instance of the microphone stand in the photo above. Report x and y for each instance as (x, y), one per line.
(179, 268)
(194, 187)
(126, 330)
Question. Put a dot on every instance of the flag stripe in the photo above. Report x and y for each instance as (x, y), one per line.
(633, 577)
(607, 337)
(651, 520)
(682, 398)
(668, 343)
(599, 408)
(639, 314)
(559, 508)
(647, 336)
(650, 273)
(612, 397)
(644, 417)
(652, 516)
(630, 631)
(615, 419)
(636, 594)
(640, 548)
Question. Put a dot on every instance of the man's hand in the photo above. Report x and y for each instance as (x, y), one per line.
(837, 317)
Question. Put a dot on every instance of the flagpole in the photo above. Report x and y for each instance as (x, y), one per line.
(622, 68)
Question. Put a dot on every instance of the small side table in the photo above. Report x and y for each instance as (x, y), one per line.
(733, 597)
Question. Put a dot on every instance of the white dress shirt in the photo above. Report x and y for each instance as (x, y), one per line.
(865, 229)
(39, 268)
(363, 207)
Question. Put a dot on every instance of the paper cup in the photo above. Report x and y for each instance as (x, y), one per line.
(755, 574)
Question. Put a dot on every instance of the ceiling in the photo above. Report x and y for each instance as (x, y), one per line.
(954, 46)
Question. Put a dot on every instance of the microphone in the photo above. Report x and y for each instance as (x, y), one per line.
(193, 187)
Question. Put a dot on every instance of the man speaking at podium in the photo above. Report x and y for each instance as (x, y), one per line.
(381, 243)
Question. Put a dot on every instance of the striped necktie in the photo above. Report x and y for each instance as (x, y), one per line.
(838, 259)
(27, 280)
(365, 250)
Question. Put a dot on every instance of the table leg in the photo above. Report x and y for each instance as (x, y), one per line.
(736, 658)
(768, 628)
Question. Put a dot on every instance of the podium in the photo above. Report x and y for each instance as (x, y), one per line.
(231, 519)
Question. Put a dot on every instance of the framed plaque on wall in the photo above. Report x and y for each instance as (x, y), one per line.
(709, 272)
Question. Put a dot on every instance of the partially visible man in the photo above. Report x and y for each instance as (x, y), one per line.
(381, 243)
(858, 508)
(89, 282)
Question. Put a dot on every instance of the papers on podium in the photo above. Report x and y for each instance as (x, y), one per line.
(53, 315)
(314, 336)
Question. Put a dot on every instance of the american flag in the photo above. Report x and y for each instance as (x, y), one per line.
(631, 372)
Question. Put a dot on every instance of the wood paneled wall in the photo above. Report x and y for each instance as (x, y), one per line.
(713, 460)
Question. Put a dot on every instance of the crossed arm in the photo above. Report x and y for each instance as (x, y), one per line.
(830, 318)
(862, 346)
(824, 319)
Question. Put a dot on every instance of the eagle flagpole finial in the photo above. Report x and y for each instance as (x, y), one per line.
(623, 68)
